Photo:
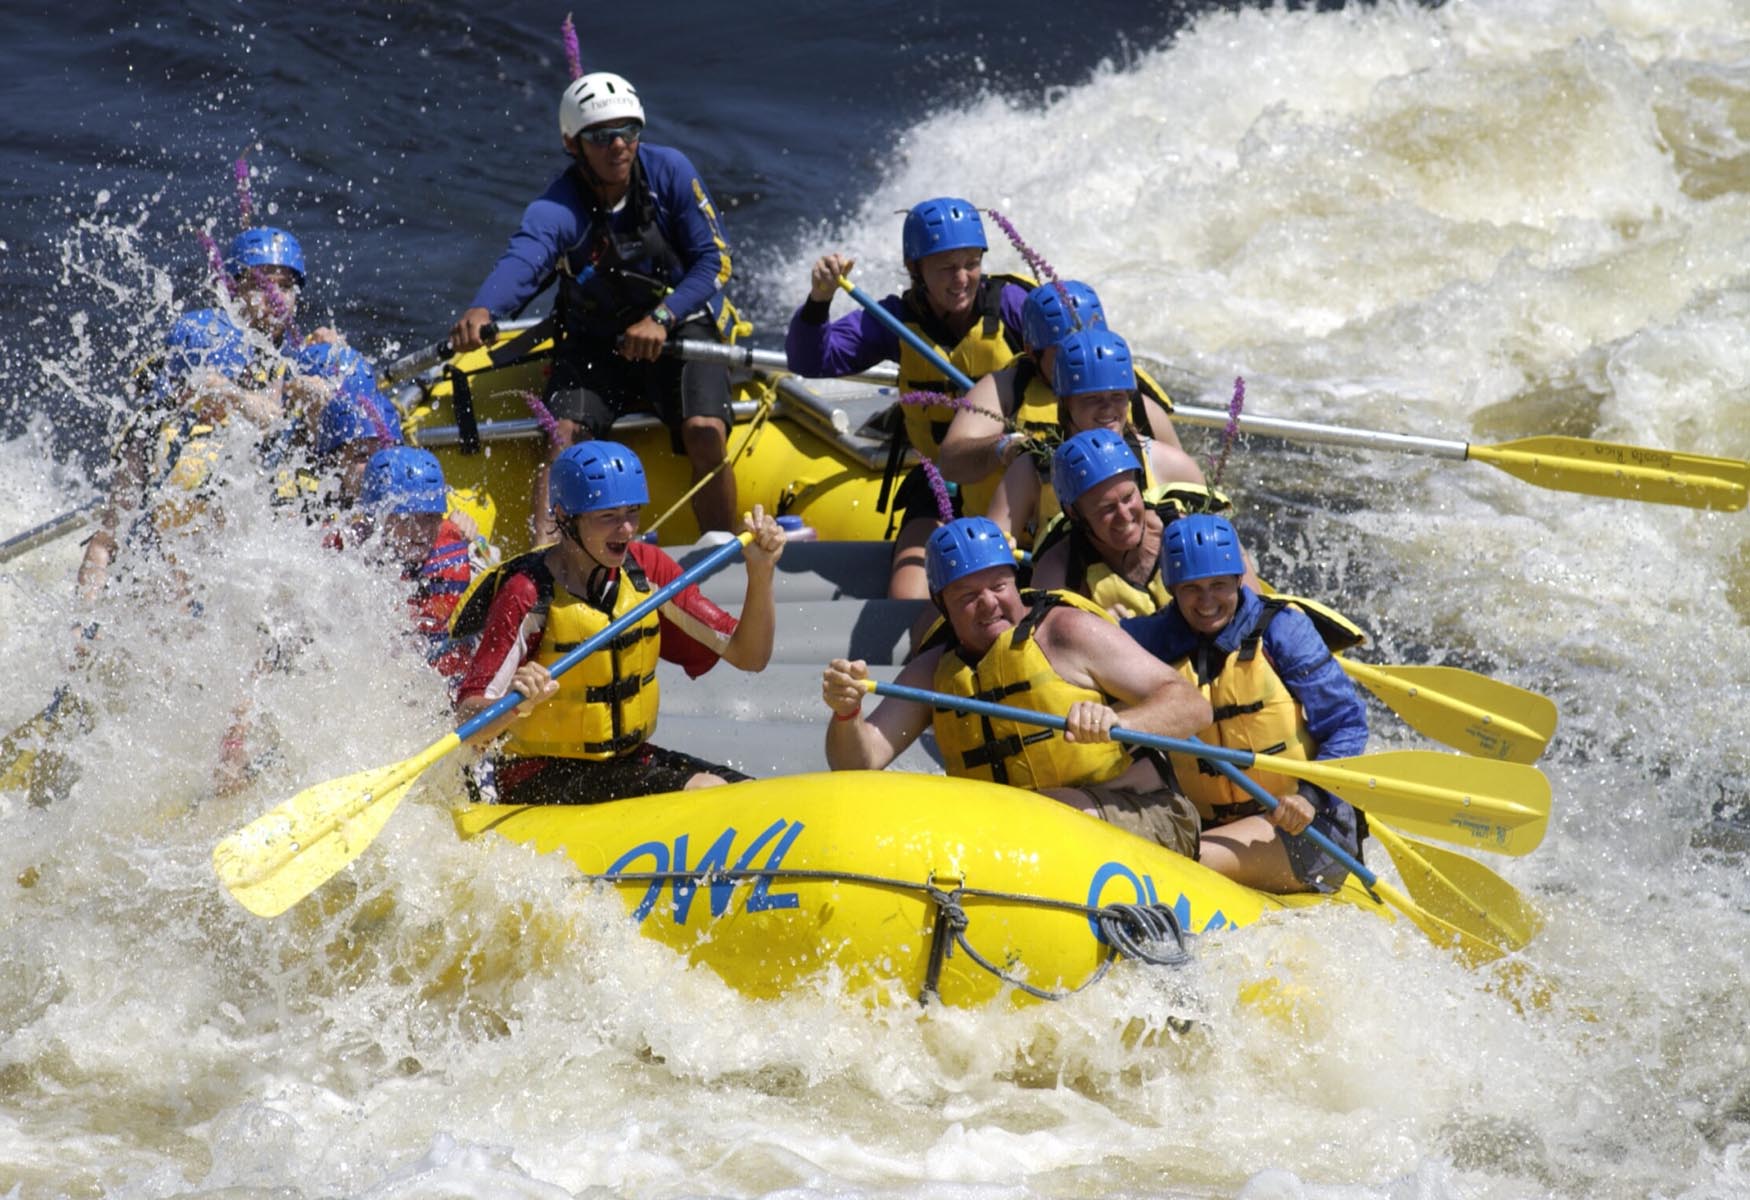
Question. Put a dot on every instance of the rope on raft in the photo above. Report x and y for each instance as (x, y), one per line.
(1149, 933)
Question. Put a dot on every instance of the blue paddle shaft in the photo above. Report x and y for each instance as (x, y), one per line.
(1219, 757)
(705, 566)
(955, 375)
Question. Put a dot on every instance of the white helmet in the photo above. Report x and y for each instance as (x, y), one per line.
(598, 96)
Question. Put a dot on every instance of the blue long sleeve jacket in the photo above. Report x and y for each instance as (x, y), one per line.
(559, 223)
(1335, 715)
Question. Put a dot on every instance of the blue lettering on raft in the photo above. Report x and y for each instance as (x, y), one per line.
(1143, 888)
(712, 862)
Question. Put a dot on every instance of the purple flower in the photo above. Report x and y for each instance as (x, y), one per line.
(573, 59)
(944, 506)
(1232, 430)
(927, 399)
(216, 261)
(1041, 268)
(543, 417)
(244, 205)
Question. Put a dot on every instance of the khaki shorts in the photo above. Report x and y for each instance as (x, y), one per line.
(1162, 816)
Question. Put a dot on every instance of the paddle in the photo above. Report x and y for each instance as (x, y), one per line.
(409, 365)
(285, 854)
(955, 375)
(27, 760)
(1473, 939)
(752, 358)
(1478, 941)
(1566, 464)
(1462, 709)
(1461, 891)
(50, 530)
(1503, 806)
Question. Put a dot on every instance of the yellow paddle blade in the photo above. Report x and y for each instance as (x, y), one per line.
(285, 854)
(28, 760)
(1462, 709)
(1474, 950)
(1461, 891)
(1482, 803)
(1622, 472)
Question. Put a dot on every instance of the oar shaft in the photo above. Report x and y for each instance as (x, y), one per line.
(955, 375)
(43, 534)
(1004, 712)
(662, 595)
(409, 365)
(1216, 756)
(1324, 435)
(754, 359)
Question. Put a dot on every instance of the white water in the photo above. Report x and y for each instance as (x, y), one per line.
(1480, 222)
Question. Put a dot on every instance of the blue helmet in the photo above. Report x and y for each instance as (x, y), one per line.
(945, 223)
(1200, 546)
(594, 475)
(1053, 311)
(404, 479)
(348, 418)
(962, 546)
(206, 339)
(330, 360)
(1087, 460)
(1092, 360)
(265, 247)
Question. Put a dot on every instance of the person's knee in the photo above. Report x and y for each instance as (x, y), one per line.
(705, 436)
(704, 779)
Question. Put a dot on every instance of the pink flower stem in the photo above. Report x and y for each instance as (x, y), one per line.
(1231, 431)
(244, 203)
(939, 488)
(543, 417)
(573, 57)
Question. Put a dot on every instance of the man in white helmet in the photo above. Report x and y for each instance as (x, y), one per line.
(633, 239)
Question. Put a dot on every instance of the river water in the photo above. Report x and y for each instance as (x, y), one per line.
(1476, 221)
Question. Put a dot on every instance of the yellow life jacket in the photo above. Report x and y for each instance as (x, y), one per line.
(1170, 501)
(184, 456)
(1254, 710)
(988, 346)
(1016, 672)
(606, 706)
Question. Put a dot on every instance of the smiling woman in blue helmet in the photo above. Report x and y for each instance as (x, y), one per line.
(1016, 409)
(1047, 652)
(632, 238)
(1093, 386)
(585, 736)
(1274, 688)
(972, 318)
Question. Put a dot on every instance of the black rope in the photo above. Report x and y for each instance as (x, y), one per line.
(1149, 933)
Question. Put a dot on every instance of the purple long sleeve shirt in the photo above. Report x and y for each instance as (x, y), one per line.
(818, 349)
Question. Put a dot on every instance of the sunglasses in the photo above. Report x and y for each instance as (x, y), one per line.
(629, 131)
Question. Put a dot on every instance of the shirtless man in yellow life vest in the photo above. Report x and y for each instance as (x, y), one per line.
(1048, 652)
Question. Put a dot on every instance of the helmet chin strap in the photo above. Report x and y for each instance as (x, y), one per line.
(601, 576)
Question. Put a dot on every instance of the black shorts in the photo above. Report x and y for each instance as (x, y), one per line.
(1311, 863)
(593, 386)
(644, 772)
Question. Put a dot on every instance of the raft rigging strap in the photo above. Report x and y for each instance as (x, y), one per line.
(1149, 933)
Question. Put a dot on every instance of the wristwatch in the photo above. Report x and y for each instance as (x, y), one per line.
(662, 316)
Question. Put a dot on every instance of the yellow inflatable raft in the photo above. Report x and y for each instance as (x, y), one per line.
(796, 447)
(938, 886)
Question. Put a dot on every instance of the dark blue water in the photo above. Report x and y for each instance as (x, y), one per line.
(401, 145)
